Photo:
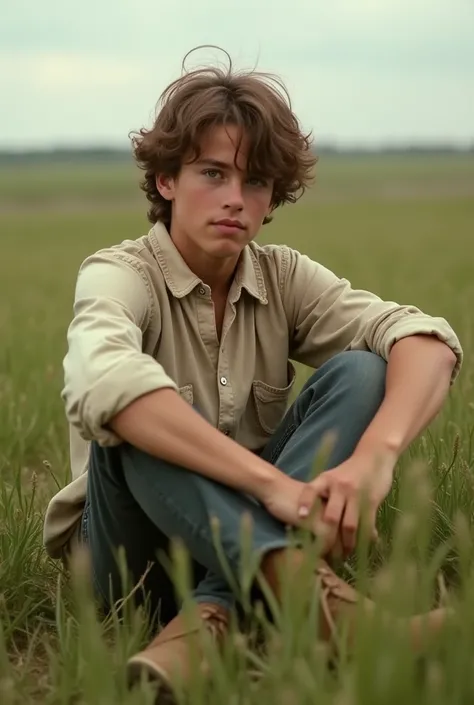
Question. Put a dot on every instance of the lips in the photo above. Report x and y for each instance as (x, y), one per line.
(230, 223)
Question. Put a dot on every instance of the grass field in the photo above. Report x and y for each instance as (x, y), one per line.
(402, 227)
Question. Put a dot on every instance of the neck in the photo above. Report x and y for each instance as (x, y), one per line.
(217, 273)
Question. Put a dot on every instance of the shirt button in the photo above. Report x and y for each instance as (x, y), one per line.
(202, 290)
(223, 381)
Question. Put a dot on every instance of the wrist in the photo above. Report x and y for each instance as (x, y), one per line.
(385, 448)
(265, 479)
(386, 435)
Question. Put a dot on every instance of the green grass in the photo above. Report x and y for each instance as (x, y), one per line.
(401, 227)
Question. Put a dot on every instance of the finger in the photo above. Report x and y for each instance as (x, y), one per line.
(334, 508)
(372, 519)
(332, 516)
(307, 501)
(322, 484)
(367, 521)
(350, 523)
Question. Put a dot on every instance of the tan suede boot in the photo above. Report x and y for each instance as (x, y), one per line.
(340, 601)
(169, 655)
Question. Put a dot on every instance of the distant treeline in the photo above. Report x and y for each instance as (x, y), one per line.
(95, 154)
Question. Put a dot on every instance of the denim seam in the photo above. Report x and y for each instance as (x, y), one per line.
(282, 442)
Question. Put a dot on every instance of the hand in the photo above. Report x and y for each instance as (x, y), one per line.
(364, 477)
(283, 498)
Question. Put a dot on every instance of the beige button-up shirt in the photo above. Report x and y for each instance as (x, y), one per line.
(143, 321)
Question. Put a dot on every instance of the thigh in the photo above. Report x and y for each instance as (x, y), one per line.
(197, 510)
(114, 519)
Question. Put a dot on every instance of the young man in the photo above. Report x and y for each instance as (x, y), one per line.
(177, 375)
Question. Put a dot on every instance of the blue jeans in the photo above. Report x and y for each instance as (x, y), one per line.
(139, 502)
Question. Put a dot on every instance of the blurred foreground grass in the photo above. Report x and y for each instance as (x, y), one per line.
(400, 227)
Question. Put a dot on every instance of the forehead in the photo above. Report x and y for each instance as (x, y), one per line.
(226, 143)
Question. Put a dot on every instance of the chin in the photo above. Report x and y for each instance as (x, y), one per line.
(228, 249)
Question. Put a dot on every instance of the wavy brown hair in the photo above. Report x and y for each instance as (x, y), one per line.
(257, 103)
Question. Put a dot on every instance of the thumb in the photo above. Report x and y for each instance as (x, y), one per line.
(309, 496)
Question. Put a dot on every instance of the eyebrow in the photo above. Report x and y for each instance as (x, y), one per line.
(214, 162)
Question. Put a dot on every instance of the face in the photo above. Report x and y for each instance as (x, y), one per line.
(217, 206)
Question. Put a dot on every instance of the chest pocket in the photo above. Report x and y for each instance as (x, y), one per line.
(271, 402)
(187, 393)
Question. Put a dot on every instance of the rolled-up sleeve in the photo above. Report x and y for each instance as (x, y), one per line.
(326, 316)
(104, 368)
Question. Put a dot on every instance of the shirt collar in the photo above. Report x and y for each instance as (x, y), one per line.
(180, 280)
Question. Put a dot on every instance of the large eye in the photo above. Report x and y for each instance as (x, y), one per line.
(212, 173)
(257, 181)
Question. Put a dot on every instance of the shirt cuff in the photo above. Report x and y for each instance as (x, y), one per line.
(116, 390)
(424, 325)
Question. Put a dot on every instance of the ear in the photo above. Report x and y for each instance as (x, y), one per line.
(165, 186)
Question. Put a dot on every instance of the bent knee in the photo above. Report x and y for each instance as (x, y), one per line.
(362, 371)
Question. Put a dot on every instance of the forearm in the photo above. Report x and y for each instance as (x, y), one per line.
(418, 379)
(165, 426)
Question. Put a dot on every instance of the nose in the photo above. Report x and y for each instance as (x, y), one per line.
(234, 199)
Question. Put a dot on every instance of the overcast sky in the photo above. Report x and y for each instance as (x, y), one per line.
(358, 71)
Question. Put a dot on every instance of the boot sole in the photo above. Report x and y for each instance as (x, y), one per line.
(137, 668)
